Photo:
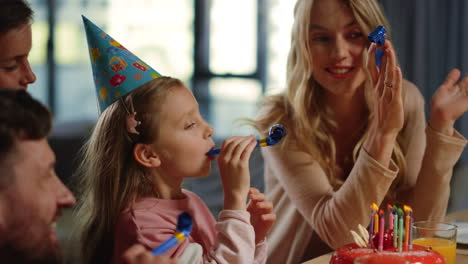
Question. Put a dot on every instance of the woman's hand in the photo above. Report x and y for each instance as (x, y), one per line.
(262, 217)
(388, 118)
(388, 82)
(449, 102)
(138, 254)
(233, 165)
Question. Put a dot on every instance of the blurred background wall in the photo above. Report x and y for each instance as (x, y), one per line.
(229, 53)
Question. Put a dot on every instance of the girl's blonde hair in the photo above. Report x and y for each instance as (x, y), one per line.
(109, 177)
(302, 107)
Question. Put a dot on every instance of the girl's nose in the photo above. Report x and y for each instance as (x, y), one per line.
(28, 75)
(209, 131)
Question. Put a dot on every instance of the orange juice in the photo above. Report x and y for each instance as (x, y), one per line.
(445, 247)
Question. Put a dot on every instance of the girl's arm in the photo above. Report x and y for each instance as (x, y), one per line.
(236, 235)
(233, 162)
(234, 243)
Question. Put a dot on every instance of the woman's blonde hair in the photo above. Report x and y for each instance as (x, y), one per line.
(109, 177)
(302, 107)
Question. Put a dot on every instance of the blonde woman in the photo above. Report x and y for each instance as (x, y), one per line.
(358, 135)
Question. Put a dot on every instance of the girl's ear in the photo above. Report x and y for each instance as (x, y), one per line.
(146, 156)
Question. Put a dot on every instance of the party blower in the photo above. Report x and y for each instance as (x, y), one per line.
(276, 133)
(184, 227)
(378, 37)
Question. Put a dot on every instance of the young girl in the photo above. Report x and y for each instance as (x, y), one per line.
(143, 146)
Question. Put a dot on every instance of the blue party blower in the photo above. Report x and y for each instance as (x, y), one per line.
(184, 227)
(276, 133)
(378, 37)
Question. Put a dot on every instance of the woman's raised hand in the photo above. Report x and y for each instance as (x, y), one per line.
(449, 102)
(388, 117)
(388, 82)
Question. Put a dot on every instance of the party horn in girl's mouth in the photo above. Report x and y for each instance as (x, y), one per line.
(378, 37)
(184, 227)
(276, 133)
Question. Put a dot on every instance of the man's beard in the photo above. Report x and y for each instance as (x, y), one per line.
(12, 254)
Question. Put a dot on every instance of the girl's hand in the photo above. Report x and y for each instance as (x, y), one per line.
(449, 102)
(262, 217)
(233, 165)
(138, 254)
(388, 103)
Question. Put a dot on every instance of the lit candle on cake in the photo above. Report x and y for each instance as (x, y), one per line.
(390, 217)
(407, 224)
(371, 227)
(395, 227)
(376, 218)
(411, 228)
(381, 230)
(374, 224)
(400, 229)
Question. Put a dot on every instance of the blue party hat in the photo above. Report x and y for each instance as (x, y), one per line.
(116, 71)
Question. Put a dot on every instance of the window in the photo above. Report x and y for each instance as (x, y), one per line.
(159, 32)
(228, 52)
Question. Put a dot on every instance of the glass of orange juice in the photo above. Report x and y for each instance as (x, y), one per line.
(441, 237)
(380, 259)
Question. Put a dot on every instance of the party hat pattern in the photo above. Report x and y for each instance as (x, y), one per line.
(116, 70)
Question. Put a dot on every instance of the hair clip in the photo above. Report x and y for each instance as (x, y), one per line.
(130, 120)
(132, 123)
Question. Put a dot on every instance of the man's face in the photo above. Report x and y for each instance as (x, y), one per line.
(15, 45)
(32, 202)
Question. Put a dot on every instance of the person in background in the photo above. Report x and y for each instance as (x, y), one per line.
(15, 42)
(358, 134)
(31, 195)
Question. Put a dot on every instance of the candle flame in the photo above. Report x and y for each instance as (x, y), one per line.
(390, 207)
(375, 207)
(407, 209)
(381, 212)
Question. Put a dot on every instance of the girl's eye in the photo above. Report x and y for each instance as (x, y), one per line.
(191, 125)
(10, 68)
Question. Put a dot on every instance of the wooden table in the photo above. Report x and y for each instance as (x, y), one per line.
(462, 257)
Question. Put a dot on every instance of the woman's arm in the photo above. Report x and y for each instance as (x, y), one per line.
(330, 213)
(444, 147)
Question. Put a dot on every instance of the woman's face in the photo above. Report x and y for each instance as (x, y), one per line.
(336, 42)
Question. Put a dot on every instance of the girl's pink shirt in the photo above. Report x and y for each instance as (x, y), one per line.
(151, 221)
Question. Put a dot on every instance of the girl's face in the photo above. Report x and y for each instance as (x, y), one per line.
(336, 43)
(184, 137)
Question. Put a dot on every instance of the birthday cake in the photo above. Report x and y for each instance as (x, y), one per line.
(418, 254)
(393, 239)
